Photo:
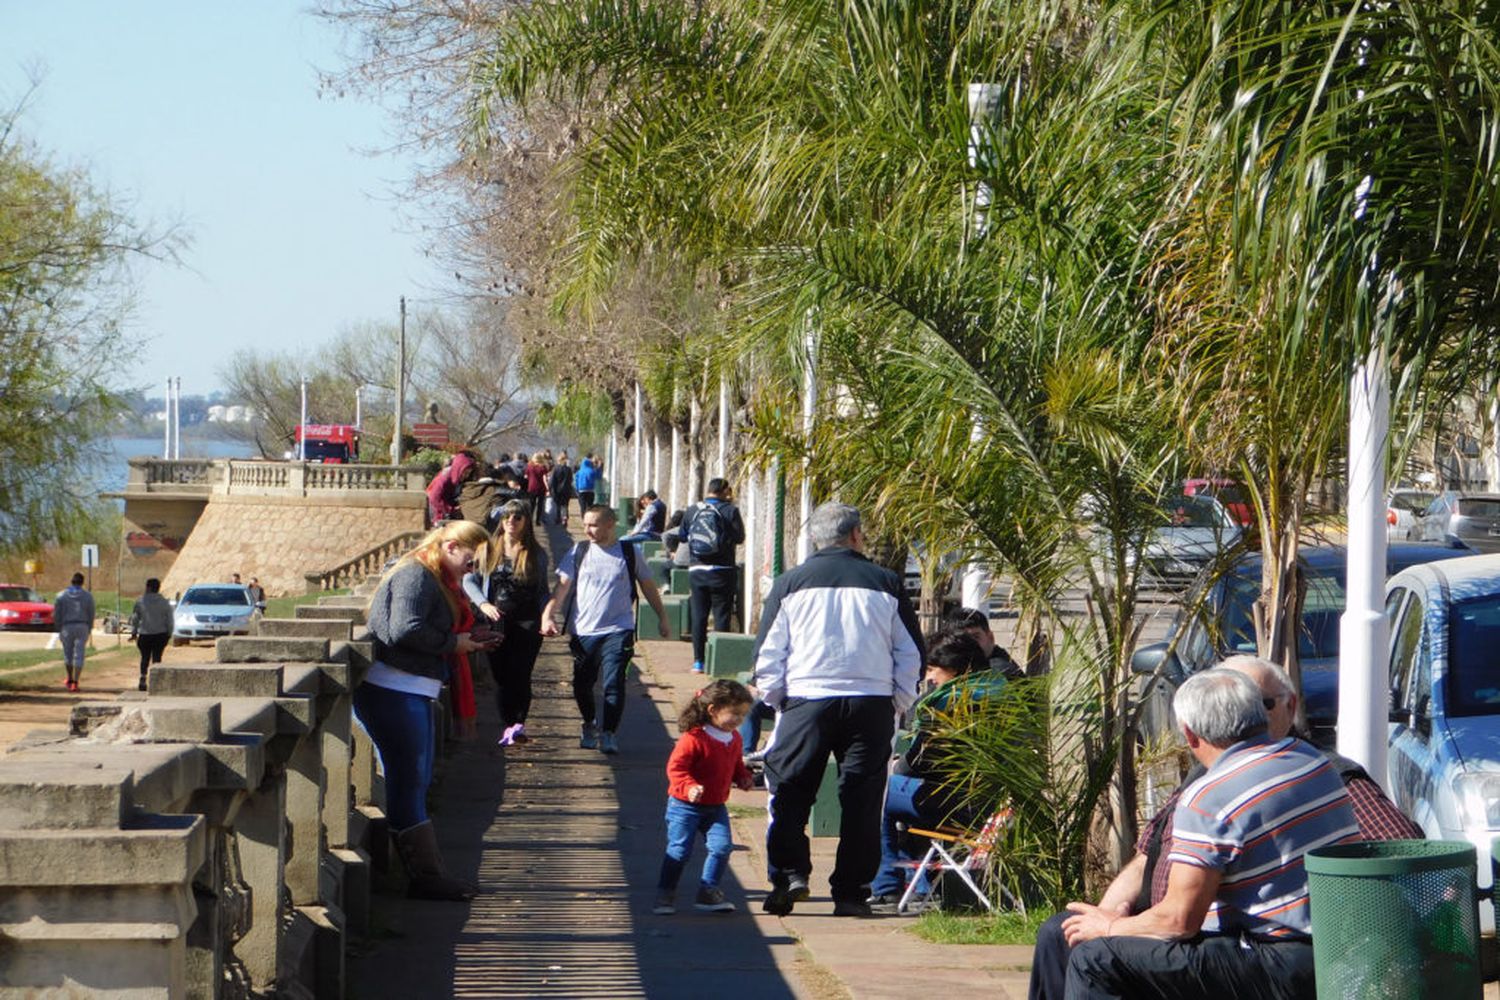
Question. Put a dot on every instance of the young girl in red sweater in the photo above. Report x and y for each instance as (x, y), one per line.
(706, 761)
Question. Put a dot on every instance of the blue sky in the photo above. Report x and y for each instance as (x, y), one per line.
(207, 114)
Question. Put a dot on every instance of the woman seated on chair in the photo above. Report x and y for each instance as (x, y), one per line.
(956, 669)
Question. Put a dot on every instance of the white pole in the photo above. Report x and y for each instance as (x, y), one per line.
(177, 418)
(611, 458)
(1364, 666)
(358, 423)
(809, 406)
(637, 477)
(975, 592)
(302, 427)
(400, 388)
(656, 461)
(676, 439)
(752, 565)
(166, 424)
(723, 425)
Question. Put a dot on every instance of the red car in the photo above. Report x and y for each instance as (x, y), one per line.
(23, 608)
(1228, 492)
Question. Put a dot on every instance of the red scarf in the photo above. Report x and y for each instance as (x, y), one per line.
(461, 679)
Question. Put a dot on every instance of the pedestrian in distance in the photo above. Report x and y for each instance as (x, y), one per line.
(413, 619)
(257, 594)
(585, 482)
(536, 484)
(711, 530)
(703, 764)
(73, 614)
(509, 587)
(596, 584)
(560, 487)
(443, 491)
(151, 626)
(838, 656)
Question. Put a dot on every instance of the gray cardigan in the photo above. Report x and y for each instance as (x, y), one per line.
(411, 622)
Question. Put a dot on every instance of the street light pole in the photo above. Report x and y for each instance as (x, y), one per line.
(400, 388)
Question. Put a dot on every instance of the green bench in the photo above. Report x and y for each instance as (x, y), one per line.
(652, 550)
(677, 617)
(661, 571)
(729, 654)
(826, 814)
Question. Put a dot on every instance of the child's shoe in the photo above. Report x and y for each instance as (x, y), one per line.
(666, 903)
(514, 734)
(711, 900)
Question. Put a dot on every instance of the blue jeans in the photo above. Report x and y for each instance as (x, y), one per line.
(608, 654)
(750, 728)
(900, 806)
(400, 725)
(684, 822)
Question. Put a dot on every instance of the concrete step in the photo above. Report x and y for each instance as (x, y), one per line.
(353, 614)
(271, 649)
(333, 629)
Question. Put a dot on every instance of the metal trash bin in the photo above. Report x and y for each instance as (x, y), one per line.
(1393, 919)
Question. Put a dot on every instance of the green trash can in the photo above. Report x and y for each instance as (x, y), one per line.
(1393, 919)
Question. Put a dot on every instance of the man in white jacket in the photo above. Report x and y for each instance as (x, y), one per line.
(838, 656)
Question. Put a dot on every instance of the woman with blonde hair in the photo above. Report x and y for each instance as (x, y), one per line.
(509, 585)
(418, 620)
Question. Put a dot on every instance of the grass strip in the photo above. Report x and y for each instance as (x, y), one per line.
(981, 928)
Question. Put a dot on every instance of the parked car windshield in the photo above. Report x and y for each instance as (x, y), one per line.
(20, 594)
(1321, 608)
(1473, 672)
(1191, 512)
(1479, 508)
(1411, 500)
(216, 595)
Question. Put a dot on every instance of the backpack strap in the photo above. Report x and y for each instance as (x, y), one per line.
(627, 549)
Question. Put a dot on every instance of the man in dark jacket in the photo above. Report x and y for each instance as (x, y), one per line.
(838, 655)
(711, 530)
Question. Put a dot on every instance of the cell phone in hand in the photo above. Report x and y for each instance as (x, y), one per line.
(486, 635)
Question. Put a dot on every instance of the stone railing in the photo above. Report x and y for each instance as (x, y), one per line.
(201, 477)
(211, 839)
(367, 563)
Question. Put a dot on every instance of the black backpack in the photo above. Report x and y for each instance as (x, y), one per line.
(705, 537)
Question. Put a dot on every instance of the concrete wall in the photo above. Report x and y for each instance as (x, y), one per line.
(278, 539)
(155, 530)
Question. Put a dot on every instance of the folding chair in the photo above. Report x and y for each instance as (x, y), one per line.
(960, 853)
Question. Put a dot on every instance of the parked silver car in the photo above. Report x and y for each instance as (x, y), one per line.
(1455, 518)
(1403, 513)
(209, 610)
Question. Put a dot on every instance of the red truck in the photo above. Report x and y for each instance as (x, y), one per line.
(332, 444)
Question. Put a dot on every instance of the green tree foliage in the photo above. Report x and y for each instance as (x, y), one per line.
(64, 294)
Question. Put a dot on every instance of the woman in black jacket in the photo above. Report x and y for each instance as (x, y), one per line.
(510, 586)
(412, 618)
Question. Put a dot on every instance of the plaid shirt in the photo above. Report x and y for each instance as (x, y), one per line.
(1378, 819)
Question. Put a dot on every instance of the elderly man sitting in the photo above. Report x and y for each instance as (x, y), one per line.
(1234, 921)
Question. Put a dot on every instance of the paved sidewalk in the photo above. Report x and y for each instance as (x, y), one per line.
(566, 843)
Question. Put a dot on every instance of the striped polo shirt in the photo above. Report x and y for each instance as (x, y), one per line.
(1251, 817)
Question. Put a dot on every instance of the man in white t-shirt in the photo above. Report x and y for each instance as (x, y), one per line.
(601, 620)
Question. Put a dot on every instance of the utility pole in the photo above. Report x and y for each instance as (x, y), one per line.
(177, 419)
(302, 427)
(166, 423)
(400, 388)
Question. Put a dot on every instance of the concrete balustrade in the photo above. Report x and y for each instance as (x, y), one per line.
(209, 838)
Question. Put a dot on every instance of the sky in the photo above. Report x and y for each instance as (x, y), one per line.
(206, 114)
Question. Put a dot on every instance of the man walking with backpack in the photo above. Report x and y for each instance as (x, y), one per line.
(711, 530)
(601, 576)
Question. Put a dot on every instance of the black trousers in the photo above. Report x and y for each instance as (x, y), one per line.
(1205, 966)
(710, 588)
(857, 731)
(151, 645)
(585, 501)
(511, 664)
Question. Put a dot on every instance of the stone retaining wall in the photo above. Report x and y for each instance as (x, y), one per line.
(212, 838)
(279, 539)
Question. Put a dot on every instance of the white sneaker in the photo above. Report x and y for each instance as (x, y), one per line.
(608, 743)
(589, 738)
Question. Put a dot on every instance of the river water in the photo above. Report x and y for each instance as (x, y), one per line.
(111, 470)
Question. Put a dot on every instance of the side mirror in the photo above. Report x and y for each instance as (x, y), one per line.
(1149, 658)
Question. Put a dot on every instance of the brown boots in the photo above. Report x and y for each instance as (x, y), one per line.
(427, 878)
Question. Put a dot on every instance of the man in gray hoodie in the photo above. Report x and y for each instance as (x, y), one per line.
(73, 613)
